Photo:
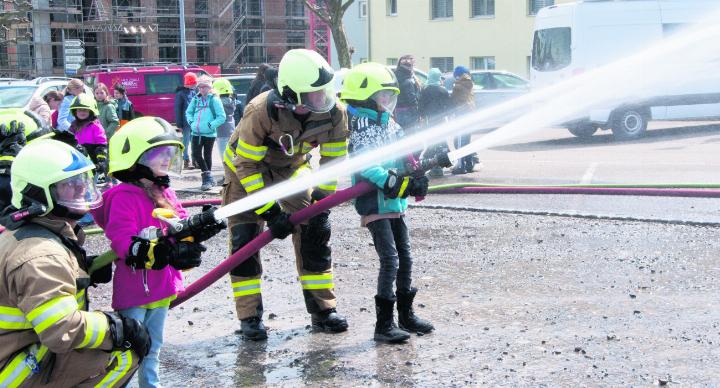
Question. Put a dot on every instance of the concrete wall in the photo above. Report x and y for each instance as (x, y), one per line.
(507, 35)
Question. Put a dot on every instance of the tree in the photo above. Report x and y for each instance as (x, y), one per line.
(331, 12)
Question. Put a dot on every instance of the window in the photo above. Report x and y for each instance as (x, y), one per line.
(169, 54)
(445, 64)
(296, 39)
(201, 7)
(391, 7)
(294, 8)
(506, 81)
(482, 63)
(480, 8)
(391, 61)
(551, 49)
(535, 5)
(162, 83)
(363, 10)
(483, 80)
(441, 9)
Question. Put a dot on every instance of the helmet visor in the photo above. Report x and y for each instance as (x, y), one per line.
(163, 160)
(319, 101)
(385, 99)
(77, 193)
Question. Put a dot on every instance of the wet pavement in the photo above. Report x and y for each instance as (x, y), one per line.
(516, 300)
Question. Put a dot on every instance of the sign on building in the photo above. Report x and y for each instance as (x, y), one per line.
(74, 59)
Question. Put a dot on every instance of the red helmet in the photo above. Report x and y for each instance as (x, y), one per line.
(190, 80)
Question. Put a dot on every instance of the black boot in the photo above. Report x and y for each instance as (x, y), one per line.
(329, 320)
(406, 316)
(385, 329)
(207, 181)
(253, 329)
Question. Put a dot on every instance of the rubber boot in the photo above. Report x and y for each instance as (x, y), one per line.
(385, 329)
(186, 164)
(406, 316)
(329, 320)
(253, 329)
(206, 181)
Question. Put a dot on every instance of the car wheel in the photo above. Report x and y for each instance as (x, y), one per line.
(583, 130)
(629, 123)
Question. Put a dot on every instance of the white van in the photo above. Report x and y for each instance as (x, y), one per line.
(572, 38)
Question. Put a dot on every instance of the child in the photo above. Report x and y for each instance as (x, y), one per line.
(224, 89)
(125, 109)
(205, 114)
(371, 90)
(89, 132)
(108, 109)
(142, 155)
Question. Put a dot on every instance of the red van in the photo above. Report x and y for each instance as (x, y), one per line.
(150, 87)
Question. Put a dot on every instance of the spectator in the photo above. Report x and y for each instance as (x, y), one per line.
(41, 108)
(53, 98)
(183, 95)
(107, 108)
(433, 106)
(205, 114)
(406, 112)
(257, 83)
(125, 110)
(74, 88)
(463, 102)
(271, 75)
(226, 93)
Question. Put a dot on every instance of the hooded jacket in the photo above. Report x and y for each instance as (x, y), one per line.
(205, 115)
(370, 130)
(225, 129)
(90, 133)
(108, 117)
(183, 96)
(434, 99)
(42, 292)
(125, 212)
(39, 106)
(462, 97)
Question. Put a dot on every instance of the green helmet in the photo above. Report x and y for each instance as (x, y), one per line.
(128, 145)
(305, 78)
(56, 175)
(222, 86)
(85, 101)
(363, 80)
(35, 126)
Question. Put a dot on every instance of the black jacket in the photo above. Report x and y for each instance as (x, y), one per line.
(434, 102)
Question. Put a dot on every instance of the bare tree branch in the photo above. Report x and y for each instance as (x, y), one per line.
(347, 5)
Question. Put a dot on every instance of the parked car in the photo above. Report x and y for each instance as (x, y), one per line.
(493, 86)
(150, 87)
(16, 93)
(574, 38)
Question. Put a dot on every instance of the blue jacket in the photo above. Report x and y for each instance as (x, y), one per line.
(205, 115)
(369, 130)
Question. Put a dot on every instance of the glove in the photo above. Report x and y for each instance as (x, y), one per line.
(278, 222)
(185, 255)
(101, 275)
(418, 186)
(129, 334)
(157, 254)
(201, 226)
(318, 195)
(12, 135)
(144, 254)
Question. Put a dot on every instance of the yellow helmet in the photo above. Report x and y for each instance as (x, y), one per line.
(305, 78)
(222, 86)
(85, 101)
(363, 80)
(129, 146)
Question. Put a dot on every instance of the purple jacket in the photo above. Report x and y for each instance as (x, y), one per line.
(92, 133)
(127, 210)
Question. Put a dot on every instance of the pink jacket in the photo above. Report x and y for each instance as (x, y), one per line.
(91, 133)
(127, 210)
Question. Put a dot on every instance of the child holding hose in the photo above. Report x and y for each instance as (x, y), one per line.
(148, 278)
(371, 90)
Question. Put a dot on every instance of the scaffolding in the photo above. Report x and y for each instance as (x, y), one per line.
(237, 34)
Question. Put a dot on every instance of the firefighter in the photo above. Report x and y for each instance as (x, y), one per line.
(47, 334)
(271, 144)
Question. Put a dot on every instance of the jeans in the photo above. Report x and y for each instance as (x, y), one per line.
(186, 137)
(154, 321)
(202, 152)
(392, 244)
(222, 144)
(466, 162)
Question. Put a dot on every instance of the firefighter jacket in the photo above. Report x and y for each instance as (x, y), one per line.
(43, 307)
(273, 138)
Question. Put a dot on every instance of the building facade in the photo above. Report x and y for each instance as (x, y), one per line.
(479, 34)
(355, 22)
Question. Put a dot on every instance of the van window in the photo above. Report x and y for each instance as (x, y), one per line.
(162, 83)
(551, 49)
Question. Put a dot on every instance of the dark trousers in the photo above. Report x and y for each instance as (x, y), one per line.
(466, 162)
(202, 152)
(392, 244)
